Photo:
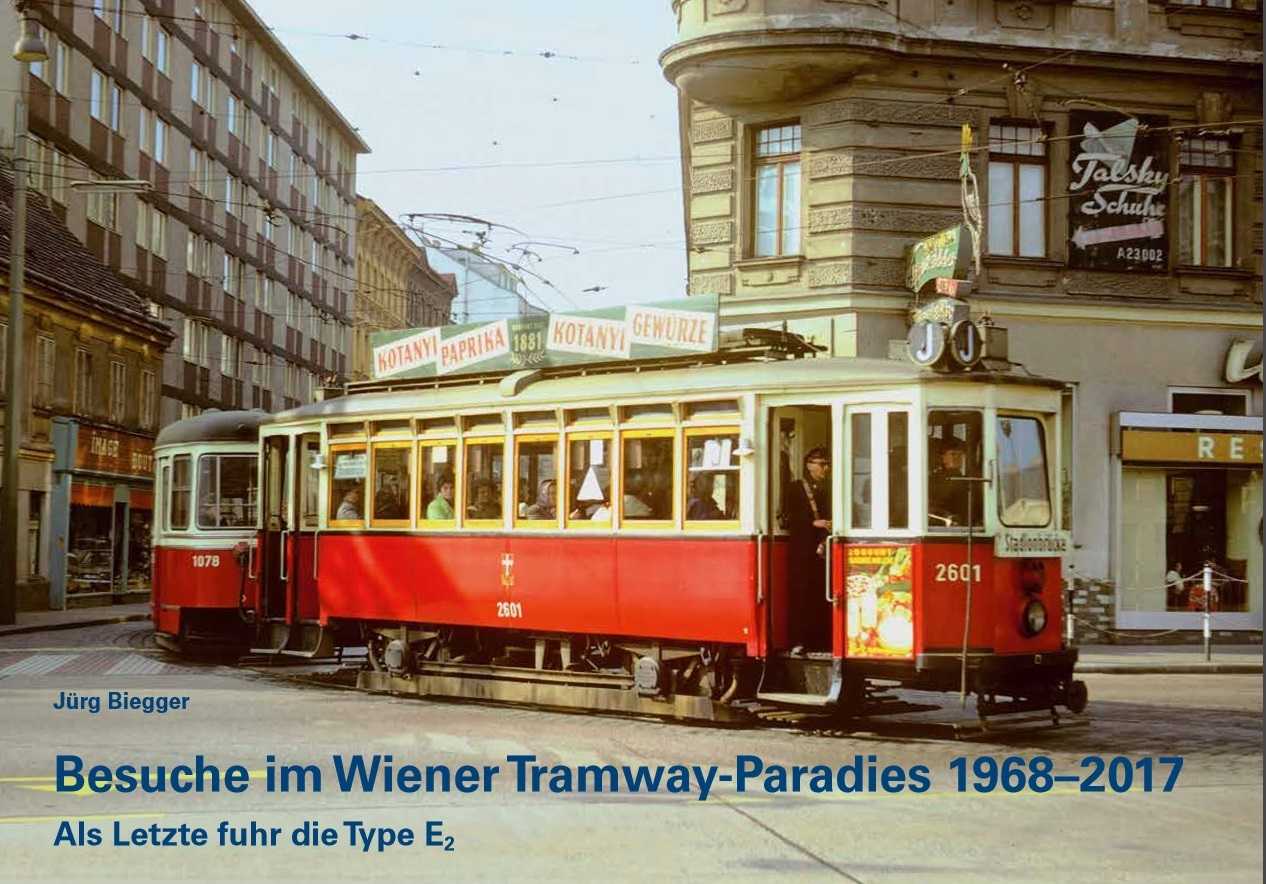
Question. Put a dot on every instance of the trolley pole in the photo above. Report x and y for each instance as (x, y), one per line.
(1207, 578)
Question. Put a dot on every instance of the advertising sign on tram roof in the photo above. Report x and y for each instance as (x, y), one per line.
(633, 331)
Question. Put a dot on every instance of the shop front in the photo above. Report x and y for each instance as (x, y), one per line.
(101, 512)
(1190, 492)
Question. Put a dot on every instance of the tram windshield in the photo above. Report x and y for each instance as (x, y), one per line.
(1023, 494)
(227, 493)
(954, 455)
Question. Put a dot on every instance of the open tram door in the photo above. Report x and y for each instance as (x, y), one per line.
(289, 609)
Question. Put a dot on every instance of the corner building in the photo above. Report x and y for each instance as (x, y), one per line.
(820, 140)
(245, 244)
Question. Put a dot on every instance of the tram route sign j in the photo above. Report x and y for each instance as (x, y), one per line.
(633, 331)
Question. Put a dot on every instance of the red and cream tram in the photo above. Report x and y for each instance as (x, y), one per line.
(205, 526)
(615, 536)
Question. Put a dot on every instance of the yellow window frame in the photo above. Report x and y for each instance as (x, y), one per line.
(335, 450)
(706, 524)
(465, 489)
(585, 436)
(438, 524)
(536, 523)
(371, 494)
(649, 524)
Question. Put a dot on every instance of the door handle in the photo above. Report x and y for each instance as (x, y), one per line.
(282, 571)
(830, 567)
(251, 573)
(316, 551)
(760, 568)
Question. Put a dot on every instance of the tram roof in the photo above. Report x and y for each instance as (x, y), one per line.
(213, 426)
(575, 386)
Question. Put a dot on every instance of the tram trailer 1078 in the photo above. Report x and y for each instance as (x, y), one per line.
(623, 538)
(204, 531)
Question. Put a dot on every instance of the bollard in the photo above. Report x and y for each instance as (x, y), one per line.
(1207, 577)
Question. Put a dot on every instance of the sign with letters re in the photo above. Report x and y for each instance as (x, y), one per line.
(1118, 192)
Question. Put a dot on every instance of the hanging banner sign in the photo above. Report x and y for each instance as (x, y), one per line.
(1119, 193)
(635, 331)
(944, 255)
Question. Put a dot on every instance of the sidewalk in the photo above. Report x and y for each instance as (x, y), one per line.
(1175, 659)
(43, 621)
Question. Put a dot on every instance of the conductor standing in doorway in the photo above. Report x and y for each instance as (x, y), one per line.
(809, 522)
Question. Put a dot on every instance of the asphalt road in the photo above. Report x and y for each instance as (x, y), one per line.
(1208, 828)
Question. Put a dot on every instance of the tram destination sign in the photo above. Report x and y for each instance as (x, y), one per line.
(633, 331)
(1118, 190)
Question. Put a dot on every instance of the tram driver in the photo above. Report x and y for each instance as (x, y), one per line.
(947, 492)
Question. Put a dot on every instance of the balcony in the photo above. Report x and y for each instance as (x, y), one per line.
(735, 54)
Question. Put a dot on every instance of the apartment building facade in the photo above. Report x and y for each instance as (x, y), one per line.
(1117, 147)
(396, 286)
(244, 242)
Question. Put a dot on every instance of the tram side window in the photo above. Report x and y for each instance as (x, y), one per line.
(347, 485)
(898, 469)
(227, 495)
(1023, 493)
(485, 469)
(438, 483)
(954, 452)
(392, 475)
(309, 483)
(712, 471)
(589, 481)
(178, 500)
(647, 478)
(860, 463)
(537, 480)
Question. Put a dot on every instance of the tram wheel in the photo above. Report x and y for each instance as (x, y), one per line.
(1077, 697)
(375, 649)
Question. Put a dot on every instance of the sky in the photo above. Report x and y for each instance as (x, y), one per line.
(581, 148)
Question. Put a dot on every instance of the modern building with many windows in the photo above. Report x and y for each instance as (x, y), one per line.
(245, 242)
(1117, 152)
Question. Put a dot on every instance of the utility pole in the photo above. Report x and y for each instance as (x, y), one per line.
(30, 47)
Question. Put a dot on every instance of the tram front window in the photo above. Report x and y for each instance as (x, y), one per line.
(226, 491)
(1023, 494)
(954, 457)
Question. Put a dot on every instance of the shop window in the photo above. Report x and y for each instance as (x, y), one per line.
(536, 481)
(1017, 190)
(179, 490)
(485, 470)
(776, 215)
(227, 493)
(1024, 498)
(589, 480)
(438, 484)
(347, 485)
(954, 453)
(392, 479)
(647, 478)
(712, 476)
(1206, 219)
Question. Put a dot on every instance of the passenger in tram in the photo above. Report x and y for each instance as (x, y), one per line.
(441, 508)
(486, 505)
(349, 507)
(702, 506)
(389, 502)
(634, 506)
(546, 506)
(809, 521)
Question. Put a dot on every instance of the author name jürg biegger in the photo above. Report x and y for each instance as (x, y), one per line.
(119, 701)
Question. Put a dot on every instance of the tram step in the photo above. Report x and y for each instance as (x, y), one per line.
(786, 699)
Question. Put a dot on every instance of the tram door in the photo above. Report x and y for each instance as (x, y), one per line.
(800, 615)
(276, 548)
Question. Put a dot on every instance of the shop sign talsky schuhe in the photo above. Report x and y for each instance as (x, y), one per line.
(1118, 191)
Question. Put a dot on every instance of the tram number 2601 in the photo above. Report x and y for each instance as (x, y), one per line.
(206, 561)
(956, 572)
(513, 610)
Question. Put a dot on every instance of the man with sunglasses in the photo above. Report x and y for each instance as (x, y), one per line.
(808, 511)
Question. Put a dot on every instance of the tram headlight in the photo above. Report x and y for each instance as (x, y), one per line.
(1034, 617)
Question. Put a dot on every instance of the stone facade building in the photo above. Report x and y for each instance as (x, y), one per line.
(396, 287)
(1117, 145)
(245, 242)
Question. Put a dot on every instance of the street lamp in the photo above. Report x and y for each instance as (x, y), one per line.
(29, 47)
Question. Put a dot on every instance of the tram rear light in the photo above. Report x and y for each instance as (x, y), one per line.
(1032, 575)
(1034, 617)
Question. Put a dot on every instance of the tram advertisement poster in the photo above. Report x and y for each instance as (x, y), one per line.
(879, 618)
(633, 331)
(1118, 190)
